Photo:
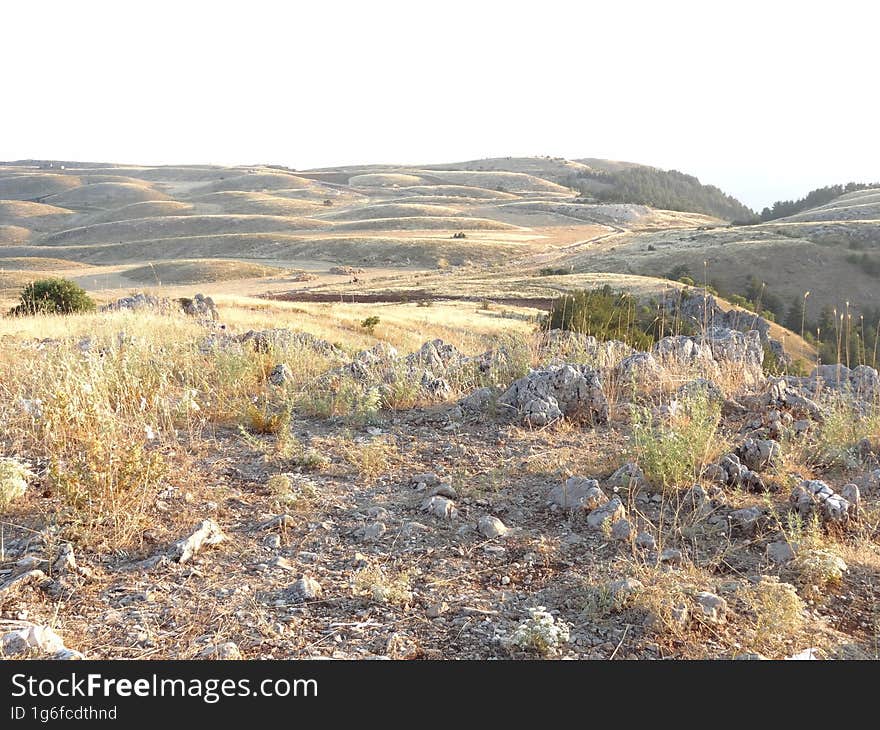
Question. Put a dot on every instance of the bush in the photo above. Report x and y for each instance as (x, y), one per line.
(674, 453)
(53, 296)
(369, 324)
(605, 314)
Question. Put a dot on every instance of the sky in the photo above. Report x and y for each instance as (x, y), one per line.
(766, 100)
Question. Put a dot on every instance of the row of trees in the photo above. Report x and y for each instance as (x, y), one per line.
(813, 199)
(666, 189)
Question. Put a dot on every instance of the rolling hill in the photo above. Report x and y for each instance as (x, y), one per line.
(481, 226)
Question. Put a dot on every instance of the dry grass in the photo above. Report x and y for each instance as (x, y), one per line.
(198, 271)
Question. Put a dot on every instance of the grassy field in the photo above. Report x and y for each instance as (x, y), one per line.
(139, 426)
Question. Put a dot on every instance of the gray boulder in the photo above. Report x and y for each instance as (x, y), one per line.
(577, 493)
(569, 391)
(610, 512)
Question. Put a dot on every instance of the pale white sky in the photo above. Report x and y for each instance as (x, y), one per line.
(764, 99)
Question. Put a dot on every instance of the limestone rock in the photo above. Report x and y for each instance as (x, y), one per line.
(577, 493)
(610, 512)
(305, 589)
(713, 609)
(491, 527)
(440, 507)
(208, 533)
(814, 495)
(543, 396)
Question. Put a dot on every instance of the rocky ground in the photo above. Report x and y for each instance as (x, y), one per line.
(566, 513)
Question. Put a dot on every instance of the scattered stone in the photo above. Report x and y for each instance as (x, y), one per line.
(491, 527)
(713, 608)
(780, 552)
(228, 651)
(622, 530)
(280, 374)
(610, 512)
(577, 493)
(440, 507)
(208, 533)
(815, 495)
(305, 589)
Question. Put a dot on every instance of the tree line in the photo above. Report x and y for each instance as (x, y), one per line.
(813, 199)
(665, 189)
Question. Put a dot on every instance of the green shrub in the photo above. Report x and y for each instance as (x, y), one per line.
(674, 452)
(53, 296)
(605, 314)
(369, 324)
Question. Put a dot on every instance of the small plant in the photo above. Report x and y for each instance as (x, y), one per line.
(383, 587)
(842, 429)
(540, 634)
(369, 324)
(13, 480)
(371, 459)
(281, 489)
(262, 417)
(53, 296)
(674, 453)
(774, 611)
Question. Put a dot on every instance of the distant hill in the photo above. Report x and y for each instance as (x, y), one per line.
(813, 199)
(621, 182)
